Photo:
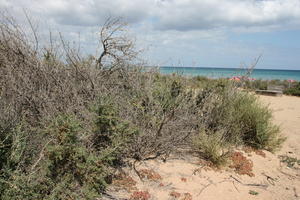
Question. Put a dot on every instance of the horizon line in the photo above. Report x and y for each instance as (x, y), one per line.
(227, 68)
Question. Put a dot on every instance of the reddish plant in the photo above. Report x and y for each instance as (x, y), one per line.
(149, 174)
(140, 195)
(257, 151)
(260, 153)
(174, 194)
(183, 179)
(241, 164)
(124, 181)
(161, 185)
(187, 196)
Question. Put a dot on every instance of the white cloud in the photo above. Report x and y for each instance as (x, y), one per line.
(206, 14)
(182, 15)
(188, 30)
(84, 12)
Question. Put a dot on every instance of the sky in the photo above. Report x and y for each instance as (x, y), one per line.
(195, 33)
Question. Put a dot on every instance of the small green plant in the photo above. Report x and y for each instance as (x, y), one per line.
(212, 147)
(290, 161)
(252, 192)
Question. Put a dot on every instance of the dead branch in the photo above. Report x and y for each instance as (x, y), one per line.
(117, 47)
(249, 184)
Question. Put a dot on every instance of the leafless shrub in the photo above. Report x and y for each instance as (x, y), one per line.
(117, 47)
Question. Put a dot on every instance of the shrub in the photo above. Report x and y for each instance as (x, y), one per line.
(256, 85)
(162, 109)
(229, 116)
(212, 147)
(294, 90)
(112, 135)
(65, 167)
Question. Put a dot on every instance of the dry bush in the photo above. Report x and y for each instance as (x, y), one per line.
(36, 86)
(163, 110)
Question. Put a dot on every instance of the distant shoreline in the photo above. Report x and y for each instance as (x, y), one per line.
(217, 72)
(232, 68)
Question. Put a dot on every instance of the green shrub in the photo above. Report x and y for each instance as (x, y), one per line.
(294, 90)
(65, 169)
(212, 147)
(112, 135)
(238, 115)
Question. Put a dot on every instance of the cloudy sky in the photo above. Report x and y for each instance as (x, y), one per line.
(210, 33)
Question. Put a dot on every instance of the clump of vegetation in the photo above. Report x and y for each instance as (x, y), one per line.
(212, 147)
(241, 164)
(174, 194)
(252, 192)
(149, 174)
(235, 117)
(290, 161)
(63, 166)
(259, 152)
(290, 87)
(124, 181)
(294, 90)
(187, 196)
(140, 195)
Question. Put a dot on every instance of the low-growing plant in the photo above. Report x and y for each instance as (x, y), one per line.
(252, 192)
(212, 147)
(293, 90)
(241, 164)
(290, 161)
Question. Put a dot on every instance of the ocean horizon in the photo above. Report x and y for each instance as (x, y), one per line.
(218, 72)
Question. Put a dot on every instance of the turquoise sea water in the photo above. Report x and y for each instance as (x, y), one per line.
(264, 74)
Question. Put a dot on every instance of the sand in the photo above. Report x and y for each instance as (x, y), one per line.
(183, 177)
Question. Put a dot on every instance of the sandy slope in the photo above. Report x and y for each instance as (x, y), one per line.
(286, 111)
(272, 180)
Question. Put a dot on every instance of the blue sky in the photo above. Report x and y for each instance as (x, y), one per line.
(209, 33)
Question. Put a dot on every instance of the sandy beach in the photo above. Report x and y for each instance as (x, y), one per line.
(186, 178)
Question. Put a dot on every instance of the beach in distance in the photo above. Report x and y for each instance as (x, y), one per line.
(263, 74)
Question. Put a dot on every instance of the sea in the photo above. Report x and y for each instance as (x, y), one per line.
(263, 74)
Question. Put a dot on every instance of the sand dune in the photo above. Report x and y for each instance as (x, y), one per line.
(185, 178)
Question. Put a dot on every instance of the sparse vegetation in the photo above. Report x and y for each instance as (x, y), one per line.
(67, 122)
(140, 195)
(294, 90)
(290, 87)
(289, 161)
(252, 192)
